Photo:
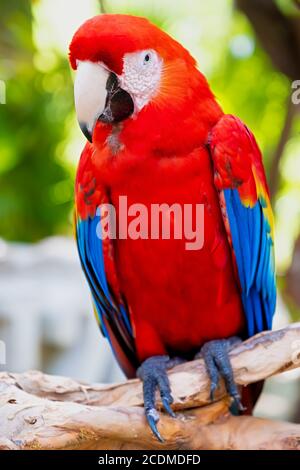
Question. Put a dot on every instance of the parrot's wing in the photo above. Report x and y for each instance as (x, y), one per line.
(97, 260)
(245, 203)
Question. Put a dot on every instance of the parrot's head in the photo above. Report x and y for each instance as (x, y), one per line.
(129, 71)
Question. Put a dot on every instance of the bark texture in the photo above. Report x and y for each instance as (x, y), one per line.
(38, 411)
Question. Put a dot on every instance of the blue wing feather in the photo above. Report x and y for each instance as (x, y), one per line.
(113, 316)
(253, 249)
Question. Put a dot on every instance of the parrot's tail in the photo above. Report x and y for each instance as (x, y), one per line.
(250, 395)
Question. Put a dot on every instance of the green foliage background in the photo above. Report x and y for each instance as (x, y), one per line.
(37, 124)
(36, 187)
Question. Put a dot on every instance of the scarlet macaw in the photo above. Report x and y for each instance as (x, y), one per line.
(157, 135)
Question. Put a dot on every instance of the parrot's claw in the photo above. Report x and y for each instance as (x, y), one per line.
(153, 373)
(217, 363)
(152, 417)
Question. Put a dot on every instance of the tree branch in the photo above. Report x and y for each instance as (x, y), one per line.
(279, 35)
(102, 7)
(48, 412)
(291, 111)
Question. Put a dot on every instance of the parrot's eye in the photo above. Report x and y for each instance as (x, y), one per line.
(147, 58)
(141, 75)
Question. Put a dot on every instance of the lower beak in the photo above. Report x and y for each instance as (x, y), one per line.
(99, 97)
(119, 104)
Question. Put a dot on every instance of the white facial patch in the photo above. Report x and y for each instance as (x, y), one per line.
(141, 76)
(90, 92)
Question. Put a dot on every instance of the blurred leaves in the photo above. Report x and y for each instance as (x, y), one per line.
(39, 138)
(36, 187)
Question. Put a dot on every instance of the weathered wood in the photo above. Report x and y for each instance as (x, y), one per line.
(38, 411)
(261, 356)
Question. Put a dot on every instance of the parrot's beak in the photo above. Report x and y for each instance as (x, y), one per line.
(99, 97)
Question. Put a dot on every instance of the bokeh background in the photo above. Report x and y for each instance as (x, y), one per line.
(250, 52)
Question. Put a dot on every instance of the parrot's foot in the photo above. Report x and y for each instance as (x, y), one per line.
(153, 373)
(217, 363)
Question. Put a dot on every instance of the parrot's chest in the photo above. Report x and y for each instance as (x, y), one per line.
(178, 283)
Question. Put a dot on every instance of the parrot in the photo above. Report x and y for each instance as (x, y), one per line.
(156, 134)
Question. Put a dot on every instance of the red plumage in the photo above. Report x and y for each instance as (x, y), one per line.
(177, 299)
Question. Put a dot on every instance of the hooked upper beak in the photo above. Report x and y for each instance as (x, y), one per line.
(99, 97)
